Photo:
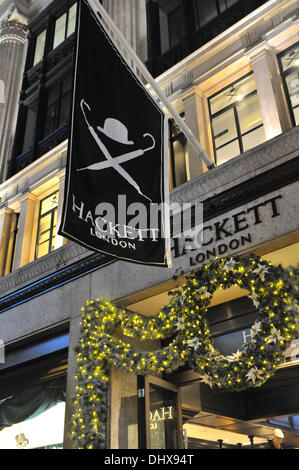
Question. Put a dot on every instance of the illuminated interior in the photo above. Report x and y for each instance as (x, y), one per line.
(46, 430)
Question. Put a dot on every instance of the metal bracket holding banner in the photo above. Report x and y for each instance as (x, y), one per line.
(97, 8)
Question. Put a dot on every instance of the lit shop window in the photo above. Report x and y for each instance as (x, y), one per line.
(42, 432)
(289, 65)
(47, 225)
(39, 47)
(32, 416)
(206, 11)
(65, 26)
(236, 119)
(178, 155)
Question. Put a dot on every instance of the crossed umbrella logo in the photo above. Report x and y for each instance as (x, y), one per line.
(118, 132)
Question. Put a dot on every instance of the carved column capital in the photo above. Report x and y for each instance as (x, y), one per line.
(12, 30)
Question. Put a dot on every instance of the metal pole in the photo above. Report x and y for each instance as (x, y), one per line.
(98, 8)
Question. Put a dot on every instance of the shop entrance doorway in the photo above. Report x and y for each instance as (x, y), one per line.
(179, 414)
(160, 414)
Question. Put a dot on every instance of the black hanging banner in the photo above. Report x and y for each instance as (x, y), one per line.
(116, 188)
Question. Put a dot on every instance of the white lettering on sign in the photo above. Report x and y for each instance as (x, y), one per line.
(162, 414)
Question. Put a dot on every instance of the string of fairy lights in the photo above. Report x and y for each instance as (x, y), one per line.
(183, 321)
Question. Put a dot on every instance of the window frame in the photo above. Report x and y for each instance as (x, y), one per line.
(51, 229)
(284, 74)
(219, 12)
(236, 117)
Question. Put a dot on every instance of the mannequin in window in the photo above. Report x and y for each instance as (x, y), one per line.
(277, 439)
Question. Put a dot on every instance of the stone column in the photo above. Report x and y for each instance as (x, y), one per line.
(197, 119)
(26, 238)
(12, 41)
(5, 225)
(130, 18)
(269, 90)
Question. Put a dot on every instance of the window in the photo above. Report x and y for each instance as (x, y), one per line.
(39, 47)
(171, 24)
(30, 122)
(289, 66)
(206, 11)
(236, 119)
(178, 155)
(47, 225)
(58, 106)
(65, 26)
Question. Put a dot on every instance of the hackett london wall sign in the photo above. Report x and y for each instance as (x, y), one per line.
(117, 155)
(264, 219)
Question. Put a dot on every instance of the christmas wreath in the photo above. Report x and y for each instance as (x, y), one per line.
(184, 320)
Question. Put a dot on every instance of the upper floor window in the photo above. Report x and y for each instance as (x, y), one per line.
(206, 11)
(58, 105)
(171, 24)
(289, 66)
(39, 47)
(236, 119)
(47, 225)
(63, 27)
(178, 155)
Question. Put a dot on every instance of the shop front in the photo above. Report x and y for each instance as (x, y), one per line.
(177, 410)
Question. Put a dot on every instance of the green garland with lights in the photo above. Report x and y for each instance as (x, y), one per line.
(184, 320)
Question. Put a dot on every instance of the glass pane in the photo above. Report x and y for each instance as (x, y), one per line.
(224, 4)
(233, 94)
(59, 35)
(71, 20)
(296, 115)
(175, 26)
(30, 126)
(52, 114)
(45, 223)
(42, 249)
(44, 237)
(227, 152)
(163, 418)
(290, 58)
(39, 47)
(296, 422)
(49, 203)
(249, 114)
(293, 88)
(180, 155)
(254, 138)
(65, 101)
(206, 11)
(224, 128)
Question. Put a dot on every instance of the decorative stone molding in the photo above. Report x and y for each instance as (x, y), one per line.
(12, 31)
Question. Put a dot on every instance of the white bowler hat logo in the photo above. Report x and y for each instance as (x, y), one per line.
(116, 130)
